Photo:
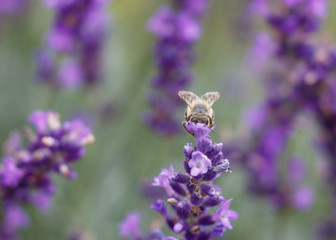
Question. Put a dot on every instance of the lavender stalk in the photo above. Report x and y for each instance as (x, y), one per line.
(72, 55)
(282, 57)
(192, 194)
(177, 29)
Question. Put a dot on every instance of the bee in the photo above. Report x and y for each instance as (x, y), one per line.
(199, 109)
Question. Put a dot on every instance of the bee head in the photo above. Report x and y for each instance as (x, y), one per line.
(200, 119)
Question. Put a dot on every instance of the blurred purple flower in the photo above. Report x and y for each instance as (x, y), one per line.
(317, 7)
(198, 7)
(70, 74)
(72, 54)
(149, 191)
(290, 70)
(26, 174)
(10, 174)
(14, 219)
(303, 198)
(261, 52)
(161, 23)
(12, 7)
(177, 30)
(259, 7)
(60, 39)
(129, 229)
(130, 226)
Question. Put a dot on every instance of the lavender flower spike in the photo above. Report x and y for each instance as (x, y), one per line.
(25, 175)
(193, 193)
(72, 53)
(177, 29)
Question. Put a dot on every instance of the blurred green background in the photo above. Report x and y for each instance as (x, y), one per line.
(125, 151)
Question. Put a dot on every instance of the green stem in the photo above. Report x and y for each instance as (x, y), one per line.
(52, 98)
(280, 226)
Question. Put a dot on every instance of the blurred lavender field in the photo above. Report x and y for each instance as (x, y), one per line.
(115, 56)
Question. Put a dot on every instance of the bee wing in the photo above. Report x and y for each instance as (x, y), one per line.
(210, 97)
(188, 97)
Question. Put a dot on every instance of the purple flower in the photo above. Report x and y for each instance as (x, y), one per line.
(129, 229)
(77, 133)
(259, 7)
(225, 214)
(255, 118)
(72, 54)
(198, 7)
(14, 219)
(170, 238)
(44, 121)
(295, 66)
(10, 174)
(303, 198)
(161, 23)
(12, 7)
(42, 200)
(202, 138)
(188, 28)
(130, 226)
(193, 193)
(261, 52)
(317, 7)
(163, 180)
(177, 30)
(70, 74)
(26, 174)
(200, 131)
(58, 3)
(199, 164)
(60, 39)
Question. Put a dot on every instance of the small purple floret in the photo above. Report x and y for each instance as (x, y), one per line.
(225, 215)
(199, 164)
(10, 174)
(163, 180)
(130, 226)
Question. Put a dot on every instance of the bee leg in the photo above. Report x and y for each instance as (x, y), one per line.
(184, 125)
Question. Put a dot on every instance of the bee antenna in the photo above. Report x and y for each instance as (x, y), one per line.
(212, 129)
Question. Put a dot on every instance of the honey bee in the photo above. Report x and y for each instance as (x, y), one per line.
(199, 109)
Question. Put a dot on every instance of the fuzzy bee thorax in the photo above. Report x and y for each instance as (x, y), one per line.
(199, 108)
